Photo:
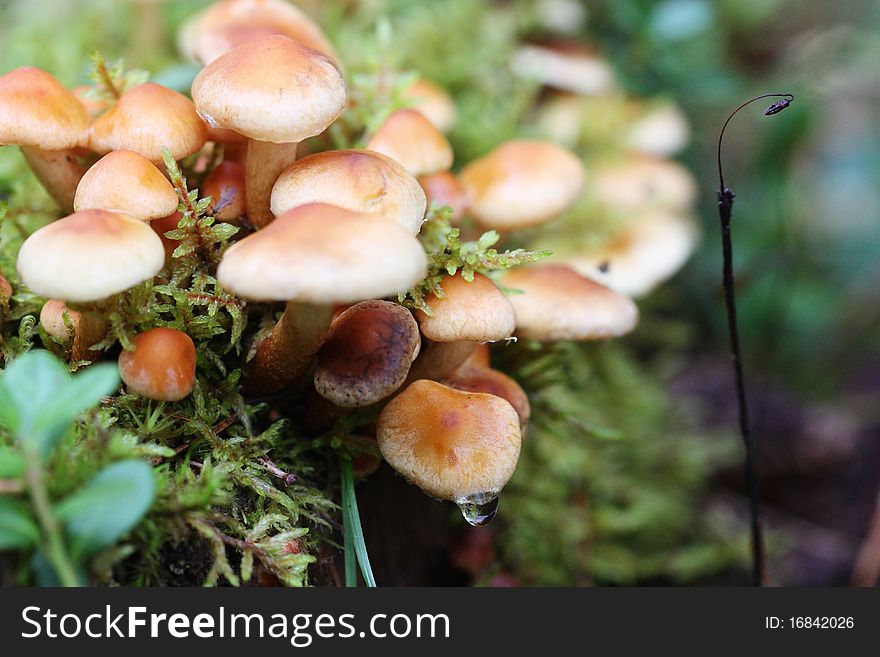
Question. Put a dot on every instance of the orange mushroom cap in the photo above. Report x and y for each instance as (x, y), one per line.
(454, 445)
(162, 365)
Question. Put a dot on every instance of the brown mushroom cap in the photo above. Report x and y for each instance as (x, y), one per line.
(477, 311)
(162, 365)
(125, 181)
(559, 304)
(443, 188)
(409, 138)
(146, 119)
(470, 378)
(367, 355)
(270, 89)
(433, 102)
(641, 182)
(323, 254)
(454, 445)
(227, 24)
(5, 288)
(36, 110)
(89, 256)
(359, 180)
(225, 186)
(522, 184)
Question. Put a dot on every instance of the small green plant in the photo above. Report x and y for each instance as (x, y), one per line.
(448, 255)
(39, 403)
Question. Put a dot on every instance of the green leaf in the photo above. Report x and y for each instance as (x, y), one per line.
(81, 393)
(12, 463)
(39, 399)
(108, 506)
(28, 387)
(17, 528)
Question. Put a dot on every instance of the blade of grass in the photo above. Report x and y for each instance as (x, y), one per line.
(348, 535)
(353, 520)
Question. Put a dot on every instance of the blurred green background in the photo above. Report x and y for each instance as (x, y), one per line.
(807, 235)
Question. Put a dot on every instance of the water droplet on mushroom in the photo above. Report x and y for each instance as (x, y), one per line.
(479, 509)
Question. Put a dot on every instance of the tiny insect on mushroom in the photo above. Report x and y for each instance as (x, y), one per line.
(146, 119)
(648, 250)
(89, 256)
(73, 328)
(522, 184)
(454, 445)
(125, 181)
(276, 92)
(314, 257)
(443, 188)
(467, 314)
(226, 187)
(640, 182)
(162, 365)
(430, 100)
(367, 354)
(557, 303)
(48, 123)
(225, 25)
(409, 138)
(359, 180)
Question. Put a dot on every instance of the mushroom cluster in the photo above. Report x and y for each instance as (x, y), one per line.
(330, 238)
(633, 225)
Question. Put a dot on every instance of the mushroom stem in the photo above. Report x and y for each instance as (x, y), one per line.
(58, 171)
(265, 162)
(287, 353)
(438, 360)
(89, 327)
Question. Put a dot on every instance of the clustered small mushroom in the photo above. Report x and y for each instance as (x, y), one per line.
(330, 240)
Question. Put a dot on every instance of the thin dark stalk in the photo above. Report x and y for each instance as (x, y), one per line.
(725, 210)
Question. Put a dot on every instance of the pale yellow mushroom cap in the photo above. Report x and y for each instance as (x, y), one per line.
(642, 182)
(451, 444)
(127, 182)
(271, 89)
(37, 111)
(557, 303)
(409, 138)
(227, 24)
(650, 250)
(662, 131)
(477, 311)
(323, 254)
(146, 119)
(358, 180)
(89, 256)
(565, 65)
(522, 184)
(433, 102)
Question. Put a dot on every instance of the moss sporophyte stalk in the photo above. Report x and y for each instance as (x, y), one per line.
(240, 323)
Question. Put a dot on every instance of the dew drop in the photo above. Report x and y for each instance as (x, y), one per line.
(479, 509)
